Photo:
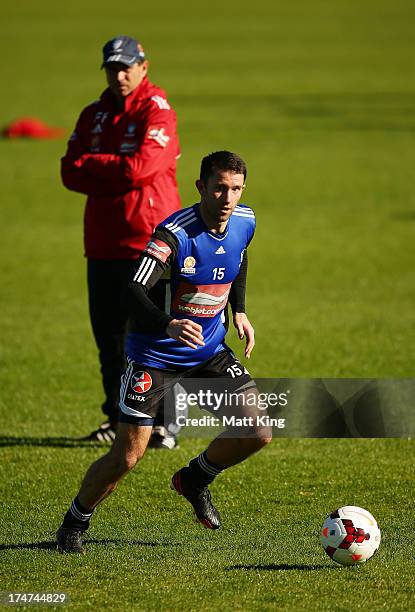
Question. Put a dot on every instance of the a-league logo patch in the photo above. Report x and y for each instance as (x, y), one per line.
(189, 265)
(141, 382)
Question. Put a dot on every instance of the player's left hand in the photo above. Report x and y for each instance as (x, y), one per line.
(245, 329)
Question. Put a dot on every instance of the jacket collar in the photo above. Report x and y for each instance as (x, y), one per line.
(139, 93)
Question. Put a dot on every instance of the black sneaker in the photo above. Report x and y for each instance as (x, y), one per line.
(162, 439)
(201, 500)
(69, 540)
(105, 433)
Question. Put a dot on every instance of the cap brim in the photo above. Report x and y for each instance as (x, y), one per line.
(128, 60)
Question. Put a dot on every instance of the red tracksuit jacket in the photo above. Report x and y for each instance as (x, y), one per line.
(126, 164)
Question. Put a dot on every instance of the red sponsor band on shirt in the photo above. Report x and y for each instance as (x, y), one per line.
(201, 300)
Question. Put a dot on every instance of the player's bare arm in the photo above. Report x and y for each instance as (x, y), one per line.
(245, 330)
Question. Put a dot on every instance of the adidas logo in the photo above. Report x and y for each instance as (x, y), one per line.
(220, 251)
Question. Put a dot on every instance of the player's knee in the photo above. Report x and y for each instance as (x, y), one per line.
(131, 459)
(125, 462)
(265, 440)
(264, 436)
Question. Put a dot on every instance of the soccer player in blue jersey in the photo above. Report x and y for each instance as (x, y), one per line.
(205, 247)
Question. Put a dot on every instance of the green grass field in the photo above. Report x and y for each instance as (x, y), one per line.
(319, 98)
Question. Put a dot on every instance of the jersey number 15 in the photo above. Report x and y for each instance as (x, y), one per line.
(218, 273)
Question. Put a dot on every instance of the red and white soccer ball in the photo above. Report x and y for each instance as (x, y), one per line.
(350, 535)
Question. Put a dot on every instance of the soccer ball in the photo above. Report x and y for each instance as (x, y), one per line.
(350, 535)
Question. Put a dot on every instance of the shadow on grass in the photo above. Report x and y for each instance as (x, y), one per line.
(29, 546)
(51, 442)
(343, 111)
(279, 567)
(49, 545)
(405, 215)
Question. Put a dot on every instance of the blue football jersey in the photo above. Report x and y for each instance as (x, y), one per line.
(202, 272)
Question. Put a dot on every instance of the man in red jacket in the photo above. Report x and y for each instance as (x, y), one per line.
(122, 155)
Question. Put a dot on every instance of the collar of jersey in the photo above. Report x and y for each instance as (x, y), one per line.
(212, 234)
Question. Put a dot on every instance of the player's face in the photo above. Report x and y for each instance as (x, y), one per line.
(220, 195)
(122, 79)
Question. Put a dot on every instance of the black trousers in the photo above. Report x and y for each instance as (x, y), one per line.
(107, 286)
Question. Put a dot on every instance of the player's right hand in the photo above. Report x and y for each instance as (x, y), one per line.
(186, 331)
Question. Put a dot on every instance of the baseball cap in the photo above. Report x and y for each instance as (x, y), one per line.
(123, 49)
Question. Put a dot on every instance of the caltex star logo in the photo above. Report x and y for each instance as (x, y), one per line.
(141, 382)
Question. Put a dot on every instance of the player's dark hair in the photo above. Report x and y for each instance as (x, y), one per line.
(221, 160)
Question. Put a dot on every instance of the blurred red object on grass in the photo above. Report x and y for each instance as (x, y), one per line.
(30, 127)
